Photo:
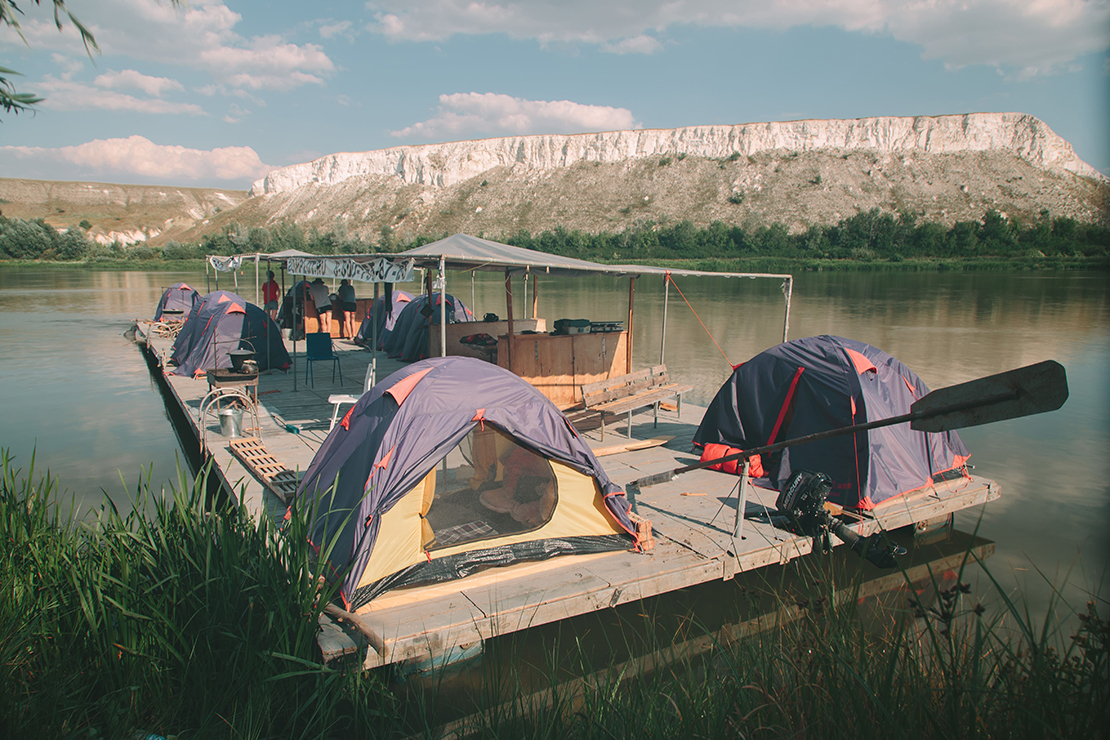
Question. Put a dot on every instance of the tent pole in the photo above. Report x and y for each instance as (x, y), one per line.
(666, 299)
(509, 318)
(442, 308)
(628, 347)
(788, 288)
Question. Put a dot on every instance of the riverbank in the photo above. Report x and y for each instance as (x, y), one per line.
(792, 265)
(188, 620)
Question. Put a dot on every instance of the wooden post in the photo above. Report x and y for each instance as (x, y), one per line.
(631, 297)
(663, 338)
(535, 294)
(509, 318)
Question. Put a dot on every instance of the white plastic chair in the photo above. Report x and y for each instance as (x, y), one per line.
(341, 398)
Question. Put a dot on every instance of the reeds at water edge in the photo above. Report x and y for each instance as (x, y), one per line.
(192, 619)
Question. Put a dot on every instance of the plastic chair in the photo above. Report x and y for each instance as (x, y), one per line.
(337, 400)
(318, 349)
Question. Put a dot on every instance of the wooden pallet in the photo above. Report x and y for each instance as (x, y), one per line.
(253, 454)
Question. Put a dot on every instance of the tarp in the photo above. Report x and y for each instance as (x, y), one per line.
(221, 322)
(465, 252)
(819, 383)
(397, 434)
(409, 339)
(177, 297)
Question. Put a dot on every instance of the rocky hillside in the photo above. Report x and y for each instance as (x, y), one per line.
(124, 213)
(941, 168)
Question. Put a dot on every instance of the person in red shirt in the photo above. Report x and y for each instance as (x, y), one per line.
(270, 292)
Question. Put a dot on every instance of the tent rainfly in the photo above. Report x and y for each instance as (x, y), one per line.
(815, 384)
(448, 466)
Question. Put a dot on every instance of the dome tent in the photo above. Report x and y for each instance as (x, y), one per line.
(386, 320)
(811, 385)
(450, 465)
(221, 322)
(409, 339)
(177, 297)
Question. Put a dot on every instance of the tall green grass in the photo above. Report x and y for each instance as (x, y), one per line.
(177, 618)
(182, 618)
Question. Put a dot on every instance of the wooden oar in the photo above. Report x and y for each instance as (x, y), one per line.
(1033, 389)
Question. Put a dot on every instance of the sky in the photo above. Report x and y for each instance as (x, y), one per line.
(216, 93)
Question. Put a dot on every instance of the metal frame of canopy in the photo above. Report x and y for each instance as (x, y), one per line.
(470, 253)
(463, 252)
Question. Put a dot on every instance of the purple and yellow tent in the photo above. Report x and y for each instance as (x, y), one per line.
(815, 384)
(451, 465)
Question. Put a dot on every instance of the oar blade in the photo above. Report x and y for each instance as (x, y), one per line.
(1033, 389)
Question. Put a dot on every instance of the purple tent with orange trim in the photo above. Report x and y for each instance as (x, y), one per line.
(815, 384)
(177, 297)
(451, 465)
(221, 322)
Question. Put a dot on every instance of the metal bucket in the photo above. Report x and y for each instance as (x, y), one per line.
(231, 422)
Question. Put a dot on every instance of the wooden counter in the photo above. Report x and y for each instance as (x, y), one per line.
(559, 364)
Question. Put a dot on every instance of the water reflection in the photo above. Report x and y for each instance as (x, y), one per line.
(73, 387)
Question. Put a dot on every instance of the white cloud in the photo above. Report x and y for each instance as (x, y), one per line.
(61, 94)
(642, 44)
(490, 114)
(1032, 36)
(200, 34)
(330, 29)
(139, 157)
(130, 78)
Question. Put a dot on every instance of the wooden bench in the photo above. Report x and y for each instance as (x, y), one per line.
(626, 393)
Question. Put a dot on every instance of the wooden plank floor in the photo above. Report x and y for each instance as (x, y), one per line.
(693, 518)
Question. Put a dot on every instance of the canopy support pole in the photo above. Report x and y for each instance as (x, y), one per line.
(631, 298)
(257, 288)
(666, 299)
(524, 310)
(428, 304)
(509, 318)
(442, 308)
(535, 295)
(374, 338)
(788, 288)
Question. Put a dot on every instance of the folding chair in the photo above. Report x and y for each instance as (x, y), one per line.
(318, 349)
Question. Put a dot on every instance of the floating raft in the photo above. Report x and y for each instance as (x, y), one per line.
(693, 518)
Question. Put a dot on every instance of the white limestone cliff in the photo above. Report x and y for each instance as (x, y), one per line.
(443, 165)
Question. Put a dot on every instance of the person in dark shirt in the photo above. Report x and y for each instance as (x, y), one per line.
(347, 308)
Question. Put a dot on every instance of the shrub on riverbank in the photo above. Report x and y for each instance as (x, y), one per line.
(199, 621)
(867, 241)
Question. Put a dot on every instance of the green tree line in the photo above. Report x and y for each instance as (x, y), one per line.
(867, 236)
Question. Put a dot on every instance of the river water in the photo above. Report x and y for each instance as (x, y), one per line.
(78, 395)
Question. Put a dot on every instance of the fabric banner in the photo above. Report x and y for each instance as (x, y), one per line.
(226, 264)
(381, 270)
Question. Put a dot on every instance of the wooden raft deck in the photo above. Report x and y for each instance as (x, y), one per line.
(693, 518)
